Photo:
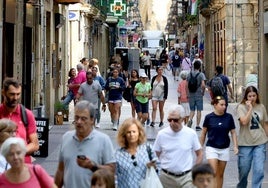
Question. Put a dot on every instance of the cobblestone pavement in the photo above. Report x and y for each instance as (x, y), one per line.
(56, 131)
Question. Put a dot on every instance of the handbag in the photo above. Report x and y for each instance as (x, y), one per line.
(126, 94)
(151, 179)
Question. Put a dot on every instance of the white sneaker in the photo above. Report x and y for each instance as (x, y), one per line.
(97, 125)
(115, 128)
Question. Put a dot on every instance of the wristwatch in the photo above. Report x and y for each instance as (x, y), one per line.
(94, 167)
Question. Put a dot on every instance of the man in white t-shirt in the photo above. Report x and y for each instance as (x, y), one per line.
(174, 146)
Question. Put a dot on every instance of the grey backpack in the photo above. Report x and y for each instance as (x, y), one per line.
(217, 86)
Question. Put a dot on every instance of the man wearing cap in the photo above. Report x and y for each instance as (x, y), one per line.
(142, 92)
(175, 146)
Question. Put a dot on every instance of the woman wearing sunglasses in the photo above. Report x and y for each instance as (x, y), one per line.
(134, 156)
(217, 126)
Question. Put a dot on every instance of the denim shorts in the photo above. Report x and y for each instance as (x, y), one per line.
(196, 103)
(142, 107)
(158, 98)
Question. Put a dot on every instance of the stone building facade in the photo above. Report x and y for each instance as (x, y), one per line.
(232, 39)
(39, 44)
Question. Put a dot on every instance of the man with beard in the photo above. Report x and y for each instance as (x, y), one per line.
(11, 109)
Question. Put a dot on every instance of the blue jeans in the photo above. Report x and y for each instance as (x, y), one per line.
(255, 156)
(69, 97)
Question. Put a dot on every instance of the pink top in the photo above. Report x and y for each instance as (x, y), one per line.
(79, 79)
(21, 131)
(186, 64)
(40, 179)
(183, 91)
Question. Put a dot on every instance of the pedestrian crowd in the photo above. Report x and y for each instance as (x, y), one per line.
(87, 157)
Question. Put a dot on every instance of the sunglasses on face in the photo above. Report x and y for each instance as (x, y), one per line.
(174, 120)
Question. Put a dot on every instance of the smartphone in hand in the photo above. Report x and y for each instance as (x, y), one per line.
(82, 157)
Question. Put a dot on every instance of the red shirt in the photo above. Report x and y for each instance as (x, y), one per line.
(21, 131)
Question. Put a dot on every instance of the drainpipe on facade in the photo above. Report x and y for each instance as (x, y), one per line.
(243, 36)
(44, 69)
(234, 50)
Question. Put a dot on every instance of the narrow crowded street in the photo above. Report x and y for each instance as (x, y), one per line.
(56, 131)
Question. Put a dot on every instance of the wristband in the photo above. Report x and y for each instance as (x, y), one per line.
(94, 167)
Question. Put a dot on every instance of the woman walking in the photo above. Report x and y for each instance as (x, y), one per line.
(115, 86)
(159, 87)
(142, 92)
(252, 139)
(217, 126)
(134, 156)
(20, 174)
(133, 80)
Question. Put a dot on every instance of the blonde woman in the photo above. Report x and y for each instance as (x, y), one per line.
(95, 63)
(134, 156)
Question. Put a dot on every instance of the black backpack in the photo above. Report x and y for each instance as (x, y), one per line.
(193, 83)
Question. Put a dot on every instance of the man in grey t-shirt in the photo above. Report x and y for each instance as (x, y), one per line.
(83, 150)
(196, 98)
(91, 91)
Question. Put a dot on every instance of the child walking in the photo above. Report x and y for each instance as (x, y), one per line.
(182, 95)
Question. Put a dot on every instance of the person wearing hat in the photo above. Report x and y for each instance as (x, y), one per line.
(142, 92)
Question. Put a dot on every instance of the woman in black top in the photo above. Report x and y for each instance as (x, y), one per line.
(133, 80)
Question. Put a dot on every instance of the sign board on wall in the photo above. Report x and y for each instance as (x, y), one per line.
(73, 15)
(118, 7)
(42, 133)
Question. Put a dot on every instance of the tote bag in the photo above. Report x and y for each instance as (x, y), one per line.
(151, 179)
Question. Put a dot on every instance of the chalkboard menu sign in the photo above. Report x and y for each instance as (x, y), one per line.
(42, 133)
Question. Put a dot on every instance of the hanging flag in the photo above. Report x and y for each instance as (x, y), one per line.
(194, 7)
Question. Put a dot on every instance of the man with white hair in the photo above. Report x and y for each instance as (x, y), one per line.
(79, 79)
(174, 146)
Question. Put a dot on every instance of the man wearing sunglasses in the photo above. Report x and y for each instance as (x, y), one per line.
(174, 146)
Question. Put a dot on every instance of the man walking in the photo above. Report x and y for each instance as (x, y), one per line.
(174, 146)
(101, 81)
(147, 63)
(225, 82)
(12, 110)
(196, 96)
(91, 91)
(83, 150)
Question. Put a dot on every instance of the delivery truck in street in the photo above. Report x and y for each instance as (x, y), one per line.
(152, 40)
